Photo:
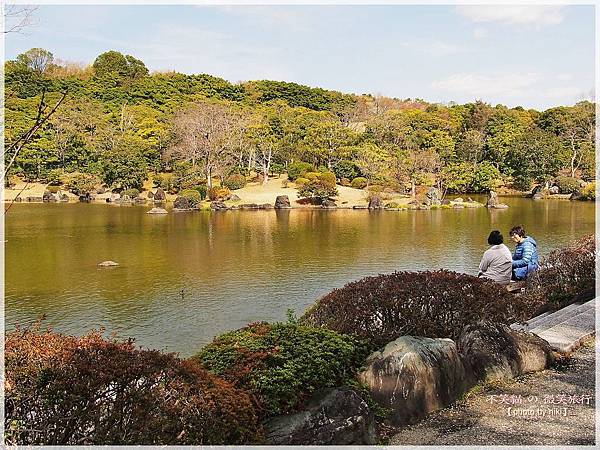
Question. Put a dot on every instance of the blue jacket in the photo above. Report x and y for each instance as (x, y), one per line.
(525, 258)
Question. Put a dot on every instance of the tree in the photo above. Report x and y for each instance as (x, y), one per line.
(326, 139)
(36, 59)
(372, 160)
(113, 62)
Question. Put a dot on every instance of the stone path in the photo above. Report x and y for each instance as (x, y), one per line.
(552, 407)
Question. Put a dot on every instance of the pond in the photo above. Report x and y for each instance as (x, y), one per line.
(185, 277)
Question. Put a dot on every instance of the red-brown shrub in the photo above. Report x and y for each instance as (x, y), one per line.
(433, 304)
(65, 390)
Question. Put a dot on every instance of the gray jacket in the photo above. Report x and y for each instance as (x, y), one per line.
(496, 264)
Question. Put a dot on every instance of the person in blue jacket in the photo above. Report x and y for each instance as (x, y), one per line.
(525, 258)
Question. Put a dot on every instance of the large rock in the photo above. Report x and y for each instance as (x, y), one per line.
(125, 199)
(218, 206)
(332, 417)
(48, 197)
(180, 203)
(234, 198)
(494, 352)
(150, 195)
(554, 190)
(433, 196)
(282, 202)
(160, 196)
(539, 189)
(157, 211)
(376, 203)
(108, 264)
(575, 195)
(414, 376)
(493, 201)
(328, 204)
(34, 199)
(249, 206)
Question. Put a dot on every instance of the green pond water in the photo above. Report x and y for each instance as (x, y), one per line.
(186, 277)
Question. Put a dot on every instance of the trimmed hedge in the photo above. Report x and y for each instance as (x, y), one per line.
(433, 304)
(235, 181)
(193, 196)
(218, 193)
(298, 169)
(567, 185)
(282, 364)
(64, 390)
(359, 183)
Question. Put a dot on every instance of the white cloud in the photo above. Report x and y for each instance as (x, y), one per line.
(564, 76)
(536, 16)
(480, 33)
(485, 86)
(435, 48)
(277, 16)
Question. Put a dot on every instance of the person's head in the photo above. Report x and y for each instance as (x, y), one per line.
(517, 234)
(495, 238)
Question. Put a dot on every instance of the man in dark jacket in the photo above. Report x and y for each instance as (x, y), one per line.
(525, 258)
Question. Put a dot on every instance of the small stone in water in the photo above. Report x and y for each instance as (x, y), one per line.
(108, 264)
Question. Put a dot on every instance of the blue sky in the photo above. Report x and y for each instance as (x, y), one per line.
(534, 56)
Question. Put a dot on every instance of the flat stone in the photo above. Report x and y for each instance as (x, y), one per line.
(568, 335)
(157, 211)
(108, 264)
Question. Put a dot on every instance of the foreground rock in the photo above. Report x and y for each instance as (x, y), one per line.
(282, 202)
(414, 376)
(157, 211)
(376, 203)
(494, 352)
(332, 417)
(108, 264)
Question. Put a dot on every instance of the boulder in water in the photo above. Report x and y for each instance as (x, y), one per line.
(157, 211)
(282, 202)
(376, 203)
(160, 196)
(108, 264)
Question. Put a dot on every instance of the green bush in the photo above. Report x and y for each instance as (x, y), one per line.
(166, 181)
(359, 183)
(522, 183)
(328, 177)
(298, 169)
(81, 183)
(53, 189)
(202, 190)
(320, 187)
(589, 191)
(235, 181)
(567, 185)
(283, 364)
(218, 193)
(192, 195)
(311, 175)
(277, 169)
(132, 193)
(301, 181)
(346, 169)
(54, 177)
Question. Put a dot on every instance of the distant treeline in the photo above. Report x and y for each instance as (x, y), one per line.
(119, 122)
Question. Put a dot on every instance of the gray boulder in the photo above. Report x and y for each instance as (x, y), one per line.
(554, 190)
(108, 264)
(539, 189)
(34, 199)
(282, 202)
(376, 203)
(493, 201)
(459, 200)
(62, 197)
(218, 206)
(249, 206)
(265, 206)
(48, 197)
(234, 198)
(331, 417)
(328, 204)
(180, 203)
(414, 376)
(494, 352)
(537, 196)
(160, 196)
(575, 196)
(150, 195)
(157, 211)
(433, 196)
(359, 207)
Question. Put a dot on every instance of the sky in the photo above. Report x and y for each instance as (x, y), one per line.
(532, 56)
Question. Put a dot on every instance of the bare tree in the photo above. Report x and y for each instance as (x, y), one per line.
(18, 17)
(206, 135)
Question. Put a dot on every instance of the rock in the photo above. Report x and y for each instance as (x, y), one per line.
(157, 211)
(160, 196)
(360, 207)
(459, 200)
(181, 203)
(494, 352)
(114, 197)
(150, 195)
(265, 206)
(101, 190)
(218, 206)
(249, 206)
(125, 199)
(414, 376)
(433, 196)
(17, 200)
(34, 199)
(500, 206)
(470, 200)
(282, 202)
(445, 202)
(539, 189)
(331, 417)
(554, 190)
(48, 197)
(108, 264)
(376, 203)
(140, 200)
(328, 204)
(537, 196)
(575, 195)
(234, 198)
(492, 200)
(458, 206)
(63, 197)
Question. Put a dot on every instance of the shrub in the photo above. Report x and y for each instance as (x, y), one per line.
(132, 193)
(54, 177)
(53, 189)
(65, 390)
(567, 185)
(359, 183)
(320, 188)
(298, 169)
(282, 364)
(218, 193)
(301, 181)
(193, 196)
(235, 181)
(166, 181)
(566, 275)
(345, 182)
(311, 175)
(202, 190)
(433, 304)
(81, 183)
(277, 169)
(522, 183)
(589, 191)
(346, 169)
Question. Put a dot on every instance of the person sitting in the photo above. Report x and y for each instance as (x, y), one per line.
(525, 258)
(496, 263)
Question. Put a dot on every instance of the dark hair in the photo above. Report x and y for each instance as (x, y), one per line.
(495, 238)
(518, 230)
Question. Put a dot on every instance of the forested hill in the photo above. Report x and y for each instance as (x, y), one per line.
(118, 122)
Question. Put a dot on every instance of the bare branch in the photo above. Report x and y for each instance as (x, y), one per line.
(18, 17)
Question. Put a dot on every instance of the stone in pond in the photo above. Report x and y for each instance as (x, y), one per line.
(108, 264)
(157, 211)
